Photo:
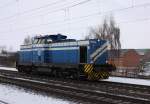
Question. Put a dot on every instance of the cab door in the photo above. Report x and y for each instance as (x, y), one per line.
(83, 54)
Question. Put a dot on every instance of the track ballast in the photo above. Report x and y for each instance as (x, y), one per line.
(93, 92)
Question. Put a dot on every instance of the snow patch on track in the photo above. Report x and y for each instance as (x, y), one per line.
(8, 68)
(129, 80)
(14, 95)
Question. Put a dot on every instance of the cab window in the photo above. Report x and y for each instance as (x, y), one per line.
(48, 41)
(39, 41)
(35, 41)
(42, 41)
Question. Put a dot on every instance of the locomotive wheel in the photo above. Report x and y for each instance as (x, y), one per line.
(76, 75)
(28, 70)
(34, 71)
(19, 69)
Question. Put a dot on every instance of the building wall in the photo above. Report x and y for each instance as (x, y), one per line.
(8, 59)
(127, 64)
(131, 59)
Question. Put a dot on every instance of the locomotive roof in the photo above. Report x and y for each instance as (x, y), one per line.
(52, 37)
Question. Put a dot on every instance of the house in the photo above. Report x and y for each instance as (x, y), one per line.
(145, 66)
(128, 62)
(8, 58)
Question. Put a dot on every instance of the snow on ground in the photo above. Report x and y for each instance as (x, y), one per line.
(14, 95)
(8, 68)
(129, 80)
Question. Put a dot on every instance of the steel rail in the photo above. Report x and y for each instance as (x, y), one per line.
(84, 93)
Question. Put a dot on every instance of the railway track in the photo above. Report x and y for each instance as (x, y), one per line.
(94, 92)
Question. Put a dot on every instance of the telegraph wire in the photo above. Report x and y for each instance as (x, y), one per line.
(132, 3)
(90, 15)
(24, 12)
(8, 4)
(31, 10)
(99, 13)
(134, 21)
(36, 26)
(38, 8)
(80, 3)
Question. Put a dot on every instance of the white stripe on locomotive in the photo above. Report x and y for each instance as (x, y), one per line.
(99, 54)
(64, 44)
(98, 50)
(56, 48)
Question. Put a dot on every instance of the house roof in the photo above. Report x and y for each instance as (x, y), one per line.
(114, 53)
(142, 51)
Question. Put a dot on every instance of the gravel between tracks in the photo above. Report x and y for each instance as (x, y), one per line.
(112, 93)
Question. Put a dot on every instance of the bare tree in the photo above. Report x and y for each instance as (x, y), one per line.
(3, 49)
(27, 40)
(108, 31)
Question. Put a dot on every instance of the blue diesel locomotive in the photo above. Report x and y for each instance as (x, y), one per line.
(68, 58)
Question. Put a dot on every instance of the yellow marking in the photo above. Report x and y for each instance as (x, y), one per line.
(104, 74)
(86, 68)
(92, 75)
(96, 74)
(90, 69)
(107, 74)
(97, 77)
(101, 75)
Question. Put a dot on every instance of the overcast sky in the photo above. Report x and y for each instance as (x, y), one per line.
(19, 18)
